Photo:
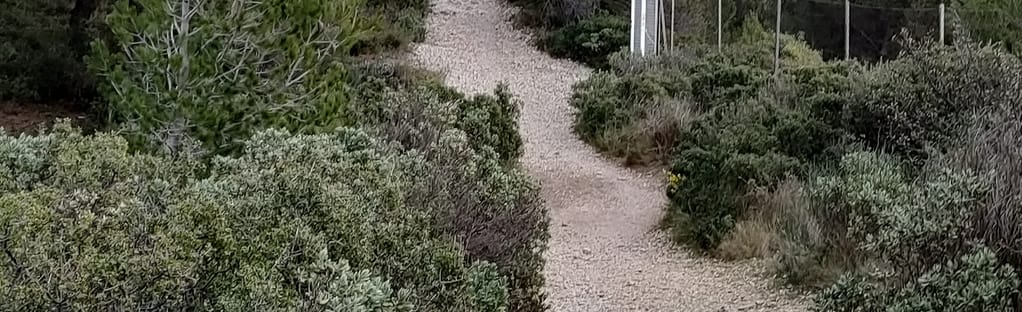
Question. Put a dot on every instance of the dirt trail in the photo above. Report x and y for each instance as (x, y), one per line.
(605, 253)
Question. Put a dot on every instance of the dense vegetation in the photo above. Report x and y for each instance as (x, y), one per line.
(586, 31)
(893, 186)
(44, 43)
(259, 159)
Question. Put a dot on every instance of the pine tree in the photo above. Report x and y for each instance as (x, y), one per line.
(216, 71)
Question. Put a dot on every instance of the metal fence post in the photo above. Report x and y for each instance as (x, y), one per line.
(672, 25)
(848, 29)
(942, 23)
(777, 41)
(720, 25)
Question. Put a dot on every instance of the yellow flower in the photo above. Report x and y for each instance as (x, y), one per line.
(673, 181)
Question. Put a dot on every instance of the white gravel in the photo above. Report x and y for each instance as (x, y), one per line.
(605, 252)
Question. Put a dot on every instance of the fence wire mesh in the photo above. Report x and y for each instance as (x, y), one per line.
(875, 26)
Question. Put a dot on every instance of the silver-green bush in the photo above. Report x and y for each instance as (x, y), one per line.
(306, 222)
(975, 282)
(491, 207)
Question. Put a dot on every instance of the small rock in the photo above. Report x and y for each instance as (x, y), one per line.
(564, 224)
(586, 251)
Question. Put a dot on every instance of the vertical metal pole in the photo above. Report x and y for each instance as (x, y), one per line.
(848, 29)
(942, 23)
(777, 41)
(672, 25)
(632, 28)
(642, 28)
(656, 25)
(661, 26)
(720, 24)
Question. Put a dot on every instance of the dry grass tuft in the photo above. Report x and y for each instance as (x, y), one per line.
(652, 137)
(749, 239)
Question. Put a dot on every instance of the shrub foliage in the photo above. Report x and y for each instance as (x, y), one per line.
(218, 71)
(589, 41)
(324, 222)
(904, 172)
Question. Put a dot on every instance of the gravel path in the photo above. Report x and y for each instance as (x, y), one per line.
(605, 252)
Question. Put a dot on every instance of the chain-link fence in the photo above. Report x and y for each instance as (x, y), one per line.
(869, 30)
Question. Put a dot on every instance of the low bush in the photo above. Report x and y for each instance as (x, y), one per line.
(636, 111)
(917, 105)
(716, 83)
(566, 12)
(640, 108)
(974, 282)
(590, 40)
(491, 122)
(469, 179)
(294, 222)
(736, 147)
(611, 100)
(912, 227)
(396, 23)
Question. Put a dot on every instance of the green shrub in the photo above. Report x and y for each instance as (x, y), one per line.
(715, 83)
(492, 208)
(991, 21)
(397, 23)
(640, 108)
(199, 79)
(876, 215)
(917, 105)
(742, 129)
(931, 225)
(852, 293)
(597, 105)
(912, 227)
(293, 223)
(637, 109)
(589, 41)
(494, 211)
(735, 147)
(974, 282)
(492, 121)
(753, 46)
(711, 187)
